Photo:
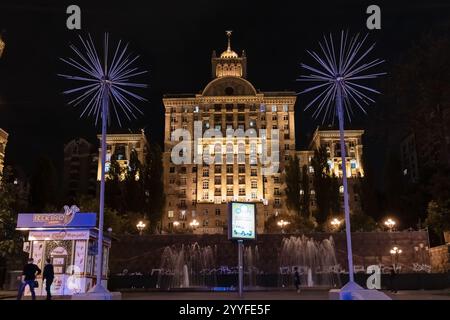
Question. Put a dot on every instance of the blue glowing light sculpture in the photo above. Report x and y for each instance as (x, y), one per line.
(104, 89)
(339, 83)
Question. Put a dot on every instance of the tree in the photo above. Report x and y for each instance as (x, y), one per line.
(153, 185)
(293, 185)
(113, 190)
(306, 196)
(44, 185)
(133, 185)
(10, 206)
(322, 184)
(438, 218)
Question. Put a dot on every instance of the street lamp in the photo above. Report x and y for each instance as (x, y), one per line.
(395, 253)
(282, 224)
(390, 224)
(194, 224)
(335, 223)
(2, 46)
(140, 226)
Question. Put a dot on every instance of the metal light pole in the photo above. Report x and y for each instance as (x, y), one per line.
(348, 234)
(241, 267)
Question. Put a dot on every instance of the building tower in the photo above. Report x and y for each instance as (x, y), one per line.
(197, 192)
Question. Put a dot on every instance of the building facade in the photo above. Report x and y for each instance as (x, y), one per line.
(3, 142)
(121, 146)
(80, 168)
(354, 167)
(206, 126)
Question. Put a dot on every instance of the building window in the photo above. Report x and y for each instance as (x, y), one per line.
(229, 179)
(218, 223)
(172, 169)
(241, 179)
(229, 191)
(241, 168)
(183, 170)
(262, 108)
(205, 195)
(274, 127)
(229, 108)
(274, 118)
(254, 184)
(171, 181)
(276, 192)
(254, 172)
(241, 191)
(217, 180)
(253, 195)
(286, 147)
(274, 108)
(170, 214)
(205, 184)
(205, 223)
(217, 192)
(286, 118)
(229, 168)
(217, 212)
(218, 169)
(183, 181)
(194, 169)
(206, 172)
(285, 108)
(311, 169)
(341, 189)
(276, 179)
(277, 201)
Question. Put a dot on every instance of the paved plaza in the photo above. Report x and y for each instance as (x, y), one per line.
(307, 294)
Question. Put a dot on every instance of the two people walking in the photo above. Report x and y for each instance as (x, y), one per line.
(28, 278)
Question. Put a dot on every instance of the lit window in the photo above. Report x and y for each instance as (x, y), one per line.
(170, 214)
(341, 189)
(274, 108)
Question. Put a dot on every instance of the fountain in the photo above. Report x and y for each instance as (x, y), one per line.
(188, 266)
(251, 262)
(315, 260)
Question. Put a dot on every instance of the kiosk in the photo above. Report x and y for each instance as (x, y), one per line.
(70, 240)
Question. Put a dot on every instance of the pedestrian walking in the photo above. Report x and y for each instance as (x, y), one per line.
(48, 275)
(297, 279)
(28, 278)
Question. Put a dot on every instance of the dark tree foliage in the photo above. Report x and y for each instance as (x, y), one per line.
(293, 185)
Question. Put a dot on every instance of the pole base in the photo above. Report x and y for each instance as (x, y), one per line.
(353, 291)
(98, 292)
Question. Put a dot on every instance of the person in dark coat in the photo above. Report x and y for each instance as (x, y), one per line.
(393, 279)
(297, 279)
(48, 275)
(30, 270)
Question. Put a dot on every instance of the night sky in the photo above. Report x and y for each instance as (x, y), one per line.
(176, 39)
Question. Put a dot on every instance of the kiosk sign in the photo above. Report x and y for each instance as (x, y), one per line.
(241, 221)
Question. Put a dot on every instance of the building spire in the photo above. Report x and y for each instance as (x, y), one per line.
(229, 32)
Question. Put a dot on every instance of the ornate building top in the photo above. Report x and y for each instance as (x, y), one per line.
(229, 64)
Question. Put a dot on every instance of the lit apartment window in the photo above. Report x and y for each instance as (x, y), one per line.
(285, 108)
(262, 108)
(274, 108)
(170, 214)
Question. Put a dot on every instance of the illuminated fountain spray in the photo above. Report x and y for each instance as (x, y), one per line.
(315, 260)
(187, 267)
(251, 265)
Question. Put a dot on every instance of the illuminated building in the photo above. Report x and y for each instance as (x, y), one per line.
(3, 142)
(121, 146)
(198, 191)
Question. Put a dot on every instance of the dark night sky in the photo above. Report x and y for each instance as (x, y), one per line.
(175, 39)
